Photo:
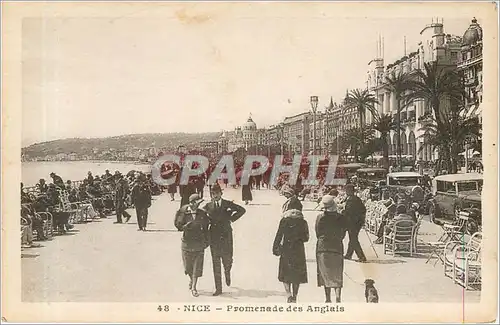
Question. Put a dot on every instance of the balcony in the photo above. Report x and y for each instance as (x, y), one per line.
(471, 61)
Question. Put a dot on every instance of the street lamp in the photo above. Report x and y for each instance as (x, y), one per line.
(314, 106)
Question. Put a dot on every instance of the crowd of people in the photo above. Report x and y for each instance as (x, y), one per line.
(209, 226)
(95, 197)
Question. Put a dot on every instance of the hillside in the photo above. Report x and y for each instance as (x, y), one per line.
(85, 146)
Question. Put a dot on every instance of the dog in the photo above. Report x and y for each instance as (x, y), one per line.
(371, 294)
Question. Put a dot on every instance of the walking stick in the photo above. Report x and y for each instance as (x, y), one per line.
(371, 242)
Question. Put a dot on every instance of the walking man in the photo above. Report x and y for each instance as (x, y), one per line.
(221, 213)
(355, 213)
(120, 197)
(141, 198)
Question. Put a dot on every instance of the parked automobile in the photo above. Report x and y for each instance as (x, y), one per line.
(453, 193)
(407, 184)
(349, 170)
(372, 178)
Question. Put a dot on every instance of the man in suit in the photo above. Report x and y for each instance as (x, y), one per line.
(355, 212)
(121, 192)
(141, 198)
(221, 214)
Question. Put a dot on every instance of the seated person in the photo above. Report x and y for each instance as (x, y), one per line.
(413, 212)
(73, 196)
(387, 217)
(401, 215)
(35, 223)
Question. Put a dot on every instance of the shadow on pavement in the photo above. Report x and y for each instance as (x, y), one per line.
(162, 230)
(27, 255)
(134, 223)
(68, 233)
(388, 261)
(253, 293)
(37, 246)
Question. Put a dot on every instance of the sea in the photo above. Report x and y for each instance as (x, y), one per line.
(32, 172)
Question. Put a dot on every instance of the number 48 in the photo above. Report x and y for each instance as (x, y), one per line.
(163, 308)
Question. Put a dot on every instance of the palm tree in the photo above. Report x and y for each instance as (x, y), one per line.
(357, 140)
(450, 137)
(398, 84)
(384, 124)
(362, 101)
(442, 91)
(435, 85)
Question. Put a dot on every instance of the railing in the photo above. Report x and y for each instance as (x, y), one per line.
(470, 61)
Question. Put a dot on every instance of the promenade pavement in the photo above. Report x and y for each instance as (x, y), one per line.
(106, 262)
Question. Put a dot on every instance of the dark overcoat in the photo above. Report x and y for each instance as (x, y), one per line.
(292, 233)
(221, 231)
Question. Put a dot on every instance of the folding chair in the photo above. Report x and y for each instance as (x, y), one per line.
(451, 233)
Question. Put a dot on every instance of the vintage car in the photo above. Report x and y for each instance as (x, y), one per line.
(372, 178)
(371, 175)
(405, 183)
(349, 170)
(454, 193)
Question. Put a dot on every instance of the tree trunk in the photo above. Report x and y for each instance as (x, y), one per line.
(398, 138)
(385, 151)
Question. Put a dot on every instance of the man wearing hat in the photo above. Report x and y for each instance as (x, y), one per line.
(57, 180)
(355, 212)
(292, 202)
(121, 192)
(221, 214)
(141, 198)
(194, 223)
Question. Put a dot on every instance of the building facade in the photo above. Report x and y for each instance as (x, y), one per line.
(296, 133)
(470, 64)
(243, 137)
(210, 146)
(434, 46)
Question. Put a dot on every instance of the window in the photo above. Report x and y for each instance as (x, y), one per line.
(467, 186)
(445, 187)
(454, 55)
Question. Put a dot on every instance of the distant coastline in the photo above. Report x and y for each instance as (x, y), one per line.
(33, 171)
(133, 162)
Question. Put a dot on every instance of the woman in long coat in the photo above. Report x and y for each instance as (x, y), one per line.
(292, 233)
(246, 191)
(194, 223)
(331, 228)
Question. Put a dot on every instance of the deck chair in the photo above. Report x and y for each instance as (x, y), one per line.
(451, 233)
(77, 213)
(48, 223)
(463, 261)
(400, 239)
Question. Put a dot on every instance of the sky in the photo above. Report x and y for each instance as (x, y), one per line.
(196, 72)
